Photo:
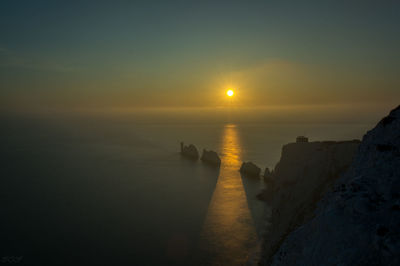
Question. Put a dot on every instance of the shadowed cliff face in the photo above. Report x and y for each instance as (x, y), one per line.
(304, 173)
(358, 222)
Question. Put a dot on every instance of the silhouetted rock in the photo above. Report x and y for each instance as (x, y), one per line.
(250, 169)
(268, 175)
(210, 157)
(189, 151)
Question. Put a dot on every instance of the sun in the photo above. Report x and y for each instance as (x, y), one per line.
(229, 93)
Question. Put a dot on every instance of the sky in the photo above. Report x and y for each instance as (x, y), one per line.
(156, 54)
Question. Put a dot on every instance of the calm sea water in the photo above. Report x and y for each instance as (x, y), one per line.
(113, 190)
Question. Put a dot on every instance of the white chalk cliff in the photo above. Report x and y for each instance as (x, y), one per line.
(358, 221)
(304, 173)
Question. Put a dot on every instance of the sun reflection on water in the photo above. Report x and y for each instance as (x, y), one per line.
(229, 232)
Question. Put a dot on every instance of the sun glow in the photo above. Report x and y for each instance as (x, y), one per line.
(229, 93)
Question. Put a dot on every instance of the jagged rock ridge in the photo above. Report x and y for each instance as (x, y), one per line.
(190, 151)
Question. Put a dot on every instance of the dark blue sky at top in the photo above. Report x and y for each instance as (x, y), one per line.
(158, 26)
(109, 36)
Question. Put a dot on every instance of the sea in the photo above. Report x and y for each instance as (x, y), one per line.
(112, 189)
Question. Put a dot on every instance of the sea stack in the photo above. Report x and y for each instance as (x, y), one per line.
(189, 151)
(250, 169)
(210, 157)
(268, 175)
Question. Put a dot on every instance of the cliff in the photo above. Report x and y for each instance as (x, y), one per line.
(302, 176)
(358, 223)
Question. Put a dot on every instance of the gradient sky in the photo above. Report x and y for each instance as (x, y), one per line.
(71, 54)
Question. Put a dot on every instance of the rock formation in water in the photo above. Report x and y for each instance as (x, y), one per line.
(358, 223)
(268, 175)
(189, 151)
(304, 173)
(210, 157)
(250, 169)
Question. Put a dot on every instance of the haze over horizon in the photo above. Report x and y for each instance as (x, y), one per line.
(125, 55)
(171, 132)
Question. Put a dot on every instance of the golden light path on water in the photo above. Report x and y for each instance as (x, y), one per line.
(229, 233)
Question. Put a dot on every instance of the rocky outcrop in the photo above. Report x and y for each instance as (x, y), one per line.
(358, 223)
(189, 151)
(304, 173)
(268, 175)
(250, 169)
(211, 158)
